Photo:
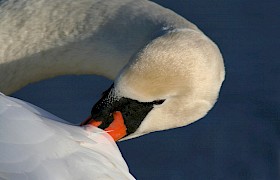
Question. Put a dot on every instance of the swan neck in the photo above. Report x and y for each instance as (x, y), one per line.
(41, 39)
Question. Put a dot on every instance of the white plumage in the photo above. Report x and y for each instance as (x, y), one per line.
(38, 145)
(151, 52)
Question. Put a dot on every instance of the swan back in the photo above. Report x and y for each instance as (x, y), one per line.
(37, 145)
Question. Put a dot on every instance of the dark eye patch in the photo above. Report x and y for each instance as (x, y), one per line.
(133, 111)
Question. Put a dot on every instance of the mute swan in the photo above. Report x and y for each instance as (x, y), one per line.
(167, 73)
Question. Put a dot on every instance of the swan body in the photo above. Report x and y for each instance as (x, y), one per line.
(167, 73)
(35, 144)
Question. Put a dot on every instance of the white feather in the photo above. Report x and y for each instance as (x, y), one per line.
(34, 145)
(150, 51)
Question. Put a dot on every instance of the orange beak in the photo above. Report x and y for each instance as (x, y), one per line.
(116, 129)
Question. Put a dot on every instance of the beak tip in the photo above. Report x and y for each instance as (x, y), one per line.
(86, 121)
(117, 129)
(95, 123)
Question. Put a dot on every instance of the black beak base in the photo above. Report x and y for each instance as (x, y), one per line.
(133, 111)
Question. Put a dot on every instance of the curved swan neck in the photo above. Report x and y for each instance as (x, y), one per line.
(46, 38)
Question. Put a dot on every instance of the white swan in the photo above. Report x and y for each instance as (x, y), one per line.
(167, 72)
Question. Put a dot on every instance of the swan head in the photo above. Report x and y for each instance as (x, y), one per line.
(172, 82)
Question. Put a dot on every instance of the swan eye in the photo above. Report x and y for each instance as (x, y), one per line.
(158, 102)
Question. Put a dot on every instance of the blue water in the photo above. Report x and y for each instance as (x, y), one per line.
(239, 138)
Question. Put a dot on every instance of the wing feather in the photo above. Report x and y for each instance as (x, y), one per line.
(35, 144)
